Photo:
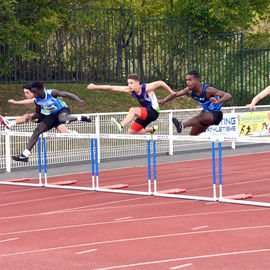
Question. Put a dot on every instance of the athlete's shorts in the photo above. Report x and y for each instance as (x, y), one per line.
(52, 120)
(218, 116)
(148, 115)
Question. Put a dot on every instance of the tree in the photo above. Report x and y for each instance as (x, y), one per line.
(28, 22)
(220, 16)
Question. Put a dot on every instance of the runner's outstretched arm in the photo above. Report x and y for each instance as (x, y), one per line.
(56, 93)
(93, 86)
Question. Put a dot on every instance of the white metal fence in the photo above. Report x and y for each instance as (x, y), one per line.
(64, 150)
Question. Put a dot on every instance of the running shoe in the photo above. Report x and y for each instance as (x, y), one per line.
(4, 121)
(20, 157)
(178, 125)
(155, 128)
(117, 124)
(86, 119)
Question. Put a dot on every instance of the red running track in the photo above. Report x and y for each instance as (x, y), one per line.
(43, 228)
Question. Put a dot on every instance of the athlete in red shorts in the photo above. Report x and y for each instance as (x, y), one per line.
(144, 94)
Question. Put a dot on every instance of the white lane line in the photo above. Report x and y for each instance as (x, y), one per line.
(114, 222)
(186, 258)
(123, 240)
(69, 211)
(86, 251)
(181, 266)
(198, 228)
(123, 218)
(45, 198)
(10, 239)
(85, 208)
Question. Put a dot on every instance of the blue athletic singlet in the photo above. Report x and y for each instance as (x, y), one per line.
(145, 100)
(204, 101)
(50, 104)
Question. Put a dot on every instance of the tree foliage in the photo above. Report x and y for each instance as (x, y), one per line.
(28, 22)
(25, 22)
(220, 16)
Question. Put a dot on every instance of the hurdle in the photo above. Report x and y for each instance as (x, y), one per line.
(116, 189)
(69, 183)
(180, 196)
(238, 198)
(22, 181)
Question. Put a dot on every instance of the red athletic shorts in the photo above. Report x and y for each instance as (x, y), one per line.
(148, 115)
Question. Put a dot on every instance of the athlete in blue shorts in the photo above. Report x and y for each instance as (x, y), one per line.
(205, 95)
(144, 94)
(51, 111)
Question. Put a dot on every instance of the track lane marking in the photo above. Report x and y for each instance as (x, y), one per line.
(123, 218)
(86, 251)
(10, 239)
(201, 227)
(136, 239)
(181, 266)
(186, 258)
(114, 222)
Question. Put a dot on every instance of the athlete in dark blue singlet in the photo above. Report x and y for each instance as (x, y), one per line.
(205, 95)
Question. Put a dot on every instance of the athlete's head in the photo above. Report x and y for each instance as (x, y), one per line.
(27, 91)
(37, 89)
(192, 78)
(133, 81)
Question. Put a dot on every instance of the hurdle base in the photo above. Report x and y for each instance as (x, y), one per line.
(173, 191)
(241, 196)
(63, 183)
(18, 180)
(117, 186)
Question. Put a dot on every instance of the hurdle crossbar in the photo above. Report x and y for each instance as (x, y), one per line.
(233, 201)
(127, 137)
(25, 134)
(68, 135)
(184, 138)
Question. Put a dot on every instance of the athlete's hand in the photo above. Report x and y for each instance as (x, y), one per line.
(160, 101)
(12, 101)
(214, 100)
(81, 102)
(28, 117)
(251, 107)
(91, 86)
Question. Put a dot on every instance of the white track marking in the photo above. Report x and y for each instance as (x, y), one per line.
(89, 208)
(181, 266)
(17, 191)
(198, 228)
(123, 218)
(45, 198)
(10, 239)
(187, 258)
(86, 251)
(125, 240)
(130, 220)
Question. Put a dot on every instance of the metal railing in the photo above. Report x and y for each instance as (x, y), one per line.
(64, 150)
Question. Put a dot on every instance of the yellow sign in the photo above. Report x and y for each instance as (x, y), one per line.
(254, 123)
